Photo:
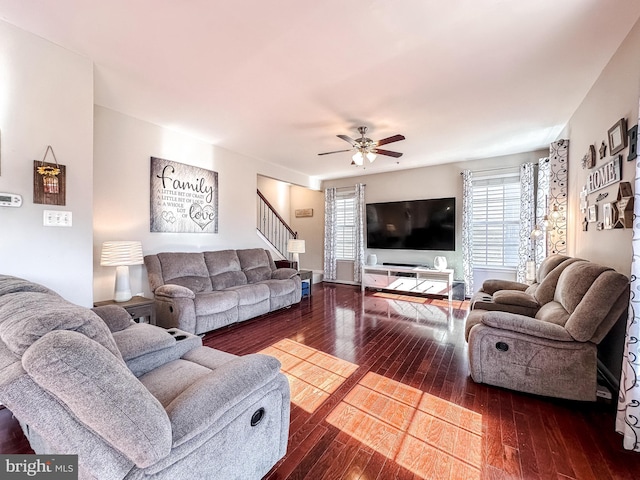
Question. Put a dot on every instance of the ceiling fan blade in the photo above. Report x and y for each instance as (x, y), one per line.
(395, 138)
(388, 153)
(337, 151)
(347, 139)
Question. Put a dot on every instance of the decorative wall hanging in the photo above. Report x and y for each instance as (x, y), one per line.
(605, 175)
(603, 150)
(589, 160)
(602, 196)
(184, 198)
(49, 181)
(593, 214)
(618, 137)
(304, 212)
(583, 199)
(633, 143)
(624, 205)
(609, 215)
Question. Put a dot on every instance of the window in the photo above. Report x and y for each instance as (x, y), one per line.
(345, 226)
(496, 220)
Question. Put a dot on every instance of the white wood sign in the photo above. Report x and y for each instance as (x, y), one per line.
(604, 176)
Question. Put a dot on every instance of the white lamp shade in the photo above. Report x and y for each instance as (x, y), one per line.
(295, 245)
(115, 254)
(121, 254)
(358, 158)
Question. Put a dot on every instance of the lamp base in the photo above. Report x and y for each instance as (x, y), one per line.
(122, 291)
(296, 260)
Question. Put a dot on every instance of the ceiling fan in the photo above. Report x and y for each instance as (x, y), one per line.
(365, 147)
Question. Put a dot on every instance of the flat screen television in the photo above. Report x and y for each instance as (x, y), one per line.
(412, 225)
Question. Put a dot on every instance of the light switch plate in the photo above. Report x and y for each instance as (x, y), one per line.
(57, 218)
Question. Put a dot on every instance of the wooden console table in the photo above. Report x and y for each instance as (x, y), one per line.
(420, 280)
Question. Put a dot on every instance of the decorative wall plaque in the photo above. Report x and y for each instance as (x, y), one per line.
(184, 198)
(604, 176)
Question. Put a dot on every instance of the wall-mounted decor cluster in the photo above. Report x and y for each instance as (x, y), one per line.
(184, 198)
(49, 180)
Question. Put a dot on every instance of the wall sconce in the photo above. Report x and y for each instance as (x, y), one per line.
(121, 254)
(296, 246)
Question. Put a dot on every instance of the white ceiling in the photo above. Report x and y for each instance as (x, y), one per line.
(278, 80)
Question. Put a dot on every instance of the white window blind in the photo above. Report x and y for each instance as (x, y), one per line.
(496, 220)
(345, 225)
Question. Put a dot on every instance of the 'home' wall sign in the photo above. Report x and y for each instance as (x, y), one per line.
(604, 176)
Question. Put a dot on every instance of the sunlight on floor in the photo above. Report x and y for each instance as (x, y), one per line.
(313, 375)
(431, 437)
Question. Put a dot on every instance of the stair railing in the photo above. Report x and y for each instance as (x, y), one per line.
(273, 227)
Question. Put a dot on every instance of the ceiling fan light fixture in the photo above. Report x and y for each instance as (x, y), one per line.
(371, 156)
(358, 158)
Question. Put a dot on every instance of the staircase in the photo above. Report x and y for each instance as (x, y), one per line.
(273, 228)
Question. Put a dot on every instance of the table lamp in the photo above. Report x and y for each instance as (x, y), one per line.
(121, 254)
(296, 246)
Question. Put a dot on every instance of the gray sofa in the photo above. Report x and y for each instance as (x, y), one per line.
(552, 352)
(199, 292)
(135, 401)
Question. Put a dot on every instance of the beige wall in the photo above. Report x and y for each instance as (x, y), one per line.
(614, 95)
(46, 98)
(429, 182)
(310, 229)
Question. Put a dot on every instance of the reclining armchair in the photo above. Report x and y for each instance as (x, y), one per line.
(522, 298)
(553, 353)
(135, 401)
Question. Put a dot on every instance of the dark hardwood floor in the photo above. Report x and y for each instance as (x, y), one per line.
(380, 390)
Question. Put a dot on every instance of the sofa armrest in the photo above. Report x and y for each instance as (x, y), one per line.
(197, 408)
(174, 291)
(515, 297)
(527, 325)
(491, 286)
(284, 273)
(116, 317)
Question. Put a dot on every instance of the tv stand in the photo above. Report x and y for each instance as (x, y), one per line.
(408, 279)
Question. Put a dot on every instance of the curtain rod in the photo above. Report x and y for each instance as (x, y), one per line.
(498, 169)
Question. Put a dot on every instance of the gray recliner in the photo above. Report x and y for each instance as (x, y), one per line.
(554, 352)
(135, 401)
(522, 298)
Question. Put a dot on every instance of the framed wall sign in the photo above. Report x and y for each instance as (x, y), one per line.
(304, 212)
(604, 176)
(184, 198)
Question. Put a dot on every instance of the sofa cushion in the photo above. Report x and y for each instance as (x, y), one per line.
(27, 316)
(208, 303)
(222, 261)
(228, 279)
(251, 294)
(185, 269)
(278, 288)
(256, 264)
(102, 393)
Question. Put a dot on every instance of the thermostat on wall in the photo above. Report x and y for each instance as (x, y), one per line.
(10, 200)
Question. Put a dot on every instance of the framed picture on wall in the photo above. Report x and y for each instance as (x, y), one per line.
(593, 214)
(607, 215)
(618, 137)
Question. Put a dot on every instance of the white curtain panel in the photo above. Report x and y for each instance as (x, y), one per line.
(467, 231)
(628, 417)
(527, 218)
(330, 208)
(359, 233)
